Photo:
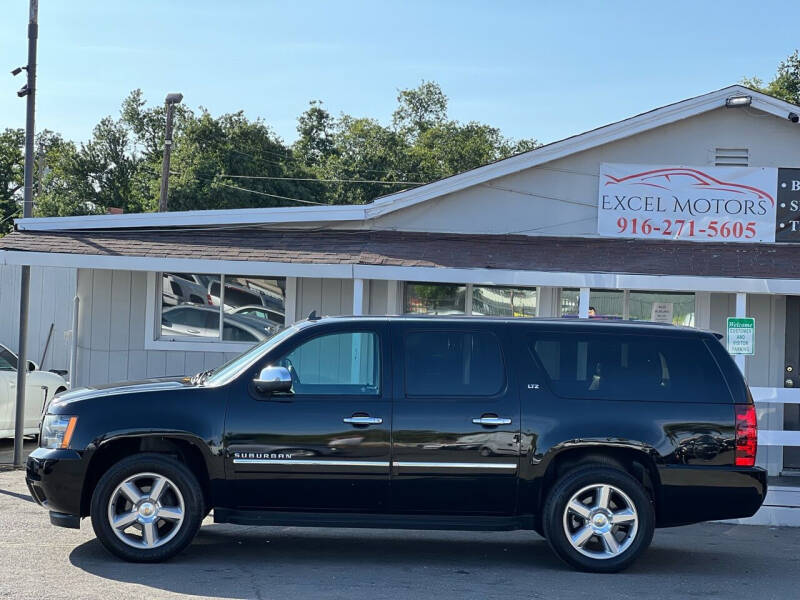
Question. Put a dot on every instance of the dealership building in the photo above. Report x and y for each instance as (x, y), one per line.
(687, 214)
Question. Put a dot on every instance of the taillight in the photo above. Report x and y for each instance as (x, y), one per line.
(746, 435)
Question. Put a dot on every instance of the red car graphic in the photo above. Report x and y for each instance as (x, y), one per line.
(666, 179)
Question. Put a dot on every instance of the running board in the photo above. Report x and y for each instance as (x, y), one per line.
(376, 521)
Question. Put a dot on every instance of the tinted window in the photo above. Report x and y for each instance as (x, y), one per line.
(237, 334)
(453, 363)
(629, 367)
(195, 317)
(8, 362)
(336, 364)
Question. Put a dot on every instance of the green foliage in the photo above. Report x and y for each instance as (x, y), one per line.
(421, 145)
(786, 83)
(12, 142)
(231, 161)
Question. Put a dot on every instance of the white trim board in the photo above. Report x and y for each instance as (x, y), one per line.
(597, 137)
(765, 395)
(196, 218)
(433, 274)
(778, 437)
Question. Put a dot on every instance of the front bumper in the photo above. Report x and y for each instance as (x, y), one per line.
(690, 494)
(55, 480)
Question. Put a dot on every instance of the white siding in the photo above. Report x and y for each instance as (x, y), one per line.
(52, 291)
(111, 333)
(326, 296)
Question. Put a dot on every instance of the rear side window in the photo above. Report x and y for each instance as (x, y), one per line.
(629, 367)
(453, 363)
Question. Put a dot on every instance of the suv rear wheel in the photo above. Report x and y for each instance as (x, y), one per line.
(598, 518)
(147, 508)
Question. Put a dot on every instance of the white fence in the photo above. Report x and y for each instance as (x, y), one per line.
(768, 395)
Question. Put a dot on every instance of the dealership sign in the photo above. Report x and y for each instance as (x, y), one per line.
(787, 227)
(703, 204)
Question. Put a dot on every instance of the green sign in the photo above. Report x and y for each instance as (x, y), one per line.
(741, 335)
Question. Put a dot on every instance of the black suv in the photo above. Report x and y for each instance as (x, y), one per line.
(591, 433)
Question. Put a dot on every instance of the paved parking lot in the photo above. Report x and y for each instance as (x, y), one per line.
(226, 561)
(7, 450)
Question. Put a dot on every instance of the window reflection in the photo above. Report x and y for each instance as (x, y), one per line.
(504, 301)
(607, 304)
(666, 307)
(434, 298)
(677, 309)
(250, 308)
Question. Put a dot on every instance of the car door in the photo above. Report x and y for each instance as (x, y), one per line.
(456, 419)
(6, 400)
(34, 393)
(325, 445)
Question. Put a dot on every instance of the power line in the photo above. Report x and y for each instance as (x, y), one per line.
(323, 180)
(289, 158)
(550, 226)
(535, 195)
(241, 189)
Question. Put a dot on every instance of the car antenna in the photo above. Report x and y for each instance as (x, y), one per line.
(313, 316)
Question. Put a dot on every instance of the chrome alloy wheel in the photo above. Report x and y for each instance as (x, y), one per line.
(600, 521)
(146, 510)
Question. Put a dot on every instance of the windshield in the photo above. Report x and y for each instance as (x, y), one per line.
(224, 373)
(8, 360)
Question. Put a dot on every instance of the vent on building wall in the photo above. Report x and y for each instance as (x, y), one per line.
(731, 157)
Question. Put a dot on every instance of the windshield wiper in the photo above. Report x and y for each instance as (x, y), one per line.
(199, 378)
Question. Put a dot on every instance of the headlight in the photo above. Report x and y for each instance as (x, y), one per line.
(57, 431)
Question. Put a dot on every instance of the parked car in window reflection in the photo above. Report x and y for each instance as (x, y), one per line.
(273, 317)
(178, 289)
(203, 321)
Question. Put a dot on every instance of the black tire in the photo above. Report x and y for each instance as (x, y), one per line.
(637, 537)
(179, 476)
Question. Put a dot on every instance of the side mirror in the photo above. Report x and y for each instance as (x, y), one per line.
(273, 379)
(32, 366)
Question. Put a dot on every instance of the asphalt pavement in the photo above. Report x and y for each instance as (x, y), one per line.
(7, 450)
(285, 563)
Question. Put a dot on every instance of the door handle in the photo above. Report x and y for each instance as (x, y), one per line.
(363, 420)
(492, 421)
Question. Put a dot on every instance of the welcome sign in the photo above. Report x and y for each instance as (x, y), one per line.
(701, 204)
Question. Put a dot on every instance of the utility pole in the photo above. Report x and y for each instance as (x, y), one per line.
(28, 90)
(172, 100)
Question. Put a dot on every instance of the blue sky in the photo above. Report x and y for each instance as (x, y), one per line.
(544, 70)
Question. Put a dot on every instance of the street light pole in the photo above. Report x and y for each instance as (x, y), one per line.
(172, 100)
(27, 211)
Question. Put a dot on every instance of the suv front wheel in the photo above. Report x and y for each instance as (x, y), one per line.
(147, 508)
(598, 518)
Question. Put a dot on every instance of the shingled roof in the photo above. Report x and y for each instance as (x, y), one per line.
(407, 249)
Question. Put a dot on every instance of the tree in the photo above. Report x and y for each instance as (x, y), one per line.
(231, 161)
(316, 142)
(421, 145)
(419, 109)
(786, 83)
(12, 142)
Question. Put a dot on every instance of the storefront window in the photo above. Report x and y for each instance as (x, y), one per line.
(434, 298)
(677, 309)
(664, 307)
(192, 306)
(608, 304)
(504, 301)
